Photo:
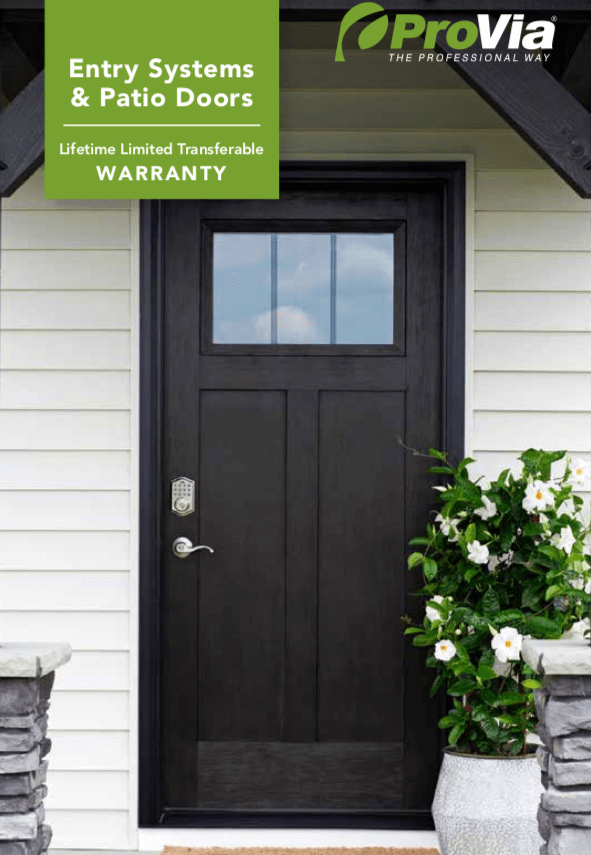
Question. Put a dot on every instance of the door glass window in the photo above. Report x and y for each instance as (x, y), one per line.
(297, 288)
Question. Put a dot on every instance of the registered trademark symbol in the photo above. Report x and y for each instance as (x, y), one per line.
(553, 18)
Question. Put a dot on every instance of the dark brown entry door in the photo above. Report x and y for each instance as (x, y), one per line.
(303, 341)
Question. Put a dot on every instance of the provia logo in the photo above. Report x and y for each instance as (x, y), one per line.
(461, 35)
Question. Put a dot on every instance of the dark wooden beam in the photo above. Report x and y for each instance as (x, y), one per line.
(22, 134)
(577, 75)
(17, 69)
(536, 105)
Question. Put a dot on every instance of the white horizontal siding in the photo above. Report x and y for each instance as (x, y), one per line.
(66, 310)
(85, 630)
(61, 591)
(99, 829)
(65, 550)
(533, 230)
(89, 750)
(65, 510)
(82, 710)
(92, 671)
(73, 350)
(524, 311)
(73, 269)
(65, 470)
(68, 390)
(87, 790)
(528, 390)
(66, 439)
(56, 229)
(532, 271)
(532, 351)
(69, 429)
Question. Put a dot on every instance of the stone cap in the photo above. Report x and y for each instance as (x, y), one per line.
(558, 656)
(32, 660)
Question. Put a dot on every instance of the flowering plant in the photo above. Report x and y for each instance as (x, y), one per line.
(502, 561)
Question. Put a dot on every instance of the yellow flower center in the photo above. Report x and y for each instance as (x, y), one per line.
(538, 495)
(444, 647)
(508, 643)
(579, 471)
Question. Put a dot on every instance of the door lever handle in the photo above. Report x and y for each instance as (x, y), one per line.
(182, 547)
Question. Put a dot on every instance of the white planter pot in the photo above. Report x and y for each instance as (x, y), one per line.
(488, 805)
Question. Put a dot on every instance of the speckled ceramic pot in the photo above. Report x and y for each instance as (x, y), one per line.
(488, 805)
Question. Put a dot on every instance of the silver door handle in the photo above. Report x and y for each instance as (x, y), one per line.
(182, 547)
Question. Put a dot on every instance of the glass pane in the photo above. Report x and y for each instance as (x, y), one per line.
(296, 288)
(303, 289)
(365, 289)
(241, 288)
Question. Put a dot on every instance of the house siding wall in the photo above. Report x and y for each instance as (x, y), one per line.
(68, 384)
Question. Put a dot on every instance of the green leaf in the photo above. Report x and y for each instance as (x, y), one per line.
(533, 529)
(531, 684)
(414, 559)
(490, 603)
(531, 596)
(508, 699)
(447, 721)
(438, 684)
(430, 568)
(456, 732)
(485, 672)
(470, 533)
(413, 630)
(462, 687)
(418, 541)
(490, 728)
(440, 470)
(542, 627)
(516, 746)
(509, 616)
(464, 463)
(424, 640)
(439, 455)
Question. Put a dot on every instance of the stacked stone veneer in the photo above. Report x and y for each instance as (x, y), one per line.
(23, 768)
(564, 709)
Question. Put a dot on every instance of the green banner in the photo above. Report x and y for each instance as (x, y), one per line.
(147, 99)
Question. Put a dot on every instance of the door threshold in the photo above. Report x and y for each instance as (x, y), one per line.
(153, 839)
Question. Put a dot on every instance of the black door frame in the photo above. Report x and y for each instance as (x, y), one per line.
(449, 178)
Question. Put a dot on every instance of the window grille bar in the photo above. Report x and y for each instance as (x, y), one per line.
(333, 289)
(273, 289)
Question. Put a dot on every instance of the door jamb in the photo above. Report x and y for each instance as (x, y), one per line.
(450, 176)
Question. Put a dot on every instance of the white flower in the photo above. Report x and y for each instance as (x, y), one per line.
(489, 510)
(445, 650)
(537, 496)
(579, 471)
(493, 563)
(484, 483)
(478, 552)
(567, 507)
(439, 488)
(578, 629)
(432, 613)
(507, 644)
(448, 526)
(565, 539)
(516, 470)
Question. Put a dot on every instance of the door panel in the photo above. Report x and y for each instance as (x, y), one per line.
(361, 537)
(287, 683)
(242, 594)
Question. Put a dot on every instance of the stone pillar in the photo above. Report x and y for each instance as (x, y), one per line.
(564, 709)
(26, 677)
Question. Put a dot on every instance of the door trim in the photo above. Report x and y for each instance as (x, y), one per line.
(449, 178)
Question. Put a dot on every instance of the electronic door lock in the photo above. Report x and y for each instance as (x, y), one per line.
(182, 500)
